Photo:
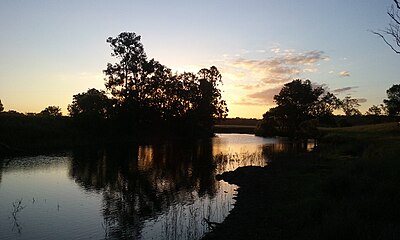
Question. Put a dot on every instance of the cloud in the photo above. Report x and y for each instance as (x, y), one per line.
(266, 97)
(310, 70)
(258, 80)
(276, 50)
(245, 101)
(344, 74)
(362, 100)
(281, 68)
(249, 86)
(345, 89)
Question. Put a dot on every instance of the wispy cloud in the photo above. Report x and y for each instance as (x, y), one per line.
(249, 86)
(344, 74)
(345, 89)
(258, 80)
(279, 69)
(362, 100)
(265, 96)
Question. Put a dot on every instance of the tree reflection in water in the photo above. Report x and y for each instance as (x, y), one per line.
(140, 183)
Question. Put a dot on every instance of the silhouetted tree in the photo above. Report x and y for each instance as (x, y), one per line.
(52, 111)
(210, 106)
(350, 106)
(133, 81)
(147, 93)
(90, 110)
(1, 106)
(90, 104)
(298, 101)
(374, 110)
(393, 101)
(391, 35)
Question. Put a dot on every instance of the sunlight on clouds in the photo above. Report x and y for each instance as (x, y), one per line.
(256, 81)
(310, 70)
(252, 79)
(344, 74)
(276, 50)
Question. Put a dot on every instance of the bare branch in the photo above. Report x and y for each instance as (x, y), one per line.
(384, 39)
(394, 15)
(392, 32)
(397, 3)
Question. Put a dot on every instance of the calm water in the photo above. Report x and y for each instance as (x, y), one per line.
(160, 191)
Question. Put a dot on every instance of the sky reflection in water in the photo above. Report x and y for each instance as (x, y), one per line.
(159, 191)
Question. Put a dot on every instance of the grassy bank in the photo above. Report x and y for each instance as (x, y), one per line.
(234, 129)
(347, 189)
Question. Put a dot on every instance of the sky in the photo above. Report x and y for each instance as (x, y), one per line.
(51, 49)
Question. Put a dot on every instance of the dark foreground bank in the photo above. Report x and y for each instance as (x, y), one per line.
(346, 189)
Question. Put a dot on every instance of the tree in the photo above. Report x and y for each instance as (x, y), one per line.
(138, 85)
(299, 101)
(128, 79)
(393, 101)
(148, 93)
(209, 105)
(391, 35)
(1, 106)
(93, 104)
(51, 111)
(374, 110)
(350, 106)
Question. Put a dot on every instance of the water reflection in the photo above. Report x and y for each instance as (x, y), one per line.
(141, 182)
(160, 191)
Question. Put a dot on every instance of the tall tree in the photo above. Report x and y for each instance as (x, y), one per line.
(391, 35)
(393, 101)
(1, 106)
(147, 92)
(350, 106)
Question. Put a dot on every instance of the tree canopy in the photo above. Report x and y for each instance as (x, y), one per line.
(144, 93)
(298, 101)
(51, 111)
(350, 106)
(393, 101)
(91, 104)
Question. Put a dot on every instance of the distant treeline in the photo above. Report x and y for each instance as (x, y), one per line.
(23, 134)
(238, 121)
(302, 108)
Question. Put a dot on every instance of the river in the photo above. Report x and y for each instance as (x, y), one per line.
(160, 191)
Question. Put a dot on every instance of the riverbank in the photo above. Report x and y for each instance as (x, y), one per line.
(346, 189)
(30, 134)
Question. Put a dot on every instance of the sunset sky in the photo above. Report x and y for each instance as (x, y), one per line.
(51, 50)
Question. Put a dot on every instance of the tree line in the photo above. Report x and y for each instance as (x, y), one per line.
(301, 107)
(143, 95)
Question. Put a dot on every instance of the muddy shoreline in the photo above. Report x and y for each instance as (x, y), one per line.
(270, 200)
(250, 200)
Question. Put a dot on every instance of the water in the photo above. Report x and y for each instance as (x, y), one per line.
(159, 191)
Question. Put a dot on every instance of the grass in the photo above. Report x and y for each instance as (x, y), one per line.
(349, 188)
(234, 129)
